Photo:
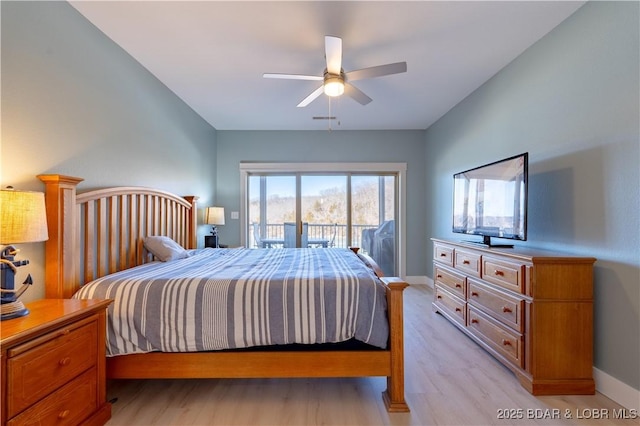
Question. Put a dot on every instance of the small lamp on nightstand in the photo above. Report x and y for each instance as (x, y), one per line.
(23, 219)
(213, 216)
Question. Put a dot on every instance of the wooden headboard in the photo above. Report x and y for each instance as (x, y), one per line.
(99, 232)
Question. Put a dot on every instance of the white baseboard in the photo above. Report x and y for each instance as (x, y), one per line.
(419, 280)
(607, 385)
(616, 390)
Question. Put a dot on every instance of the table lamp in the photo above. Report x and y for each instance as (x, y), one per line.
(214, 216)
(23, 219)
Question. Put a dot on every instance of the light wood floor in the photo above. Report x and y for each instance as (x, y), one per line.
(449, 381)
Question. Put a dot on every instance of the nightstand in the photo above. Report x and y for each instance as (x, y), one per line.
(54, 364)
(210, 241)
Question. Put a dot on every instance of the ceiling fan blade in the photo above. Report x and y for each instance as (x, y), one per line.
(333, 54)
(306, 101)
(378, 71)
(357, 94)
(293, 76)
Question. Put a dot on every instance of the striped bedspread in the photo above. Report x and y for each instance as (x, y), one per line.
(238, 298)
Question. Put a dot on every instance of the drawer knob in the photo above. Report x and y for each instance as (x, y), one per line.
(466, 262)
(443, 254)
(65, 361)
(63, 414)
(473, 293)
(474, 321)
(506, 342)
(438, 276)
(458, 310)
(506, 310)
(458, 285)
(498, 272)
(439, 297)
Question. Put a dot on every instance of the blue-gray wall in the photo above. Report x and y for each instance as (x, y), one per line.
(405, 146)
(571, 101)
(73, 102)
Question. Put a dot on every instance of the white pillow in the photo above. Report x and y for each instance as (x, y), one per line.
(164, 248)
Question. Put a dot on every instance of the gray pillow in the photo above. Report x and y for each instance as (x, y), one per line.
(164, 248)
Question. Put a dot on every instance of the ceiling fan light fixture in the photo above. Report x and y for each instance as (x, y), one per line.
(333, 86)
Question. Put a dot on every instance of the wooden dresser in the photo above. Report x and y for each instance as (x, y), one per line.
(532, 310)
(53, 364)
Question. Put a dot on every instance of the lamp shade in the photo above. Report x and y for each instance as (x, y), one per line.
(23, 217)
(214, 216)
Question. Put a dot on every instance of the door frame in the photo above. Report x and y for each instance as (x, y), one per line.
(399, 169)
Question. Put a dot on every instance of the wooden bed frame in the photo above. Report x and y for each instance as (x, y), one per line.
(99, 232)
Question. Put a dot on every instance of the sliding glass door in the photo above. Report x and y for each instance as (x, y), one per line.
(323, 203)
(296, 210)
(323, 210)
(373, 213)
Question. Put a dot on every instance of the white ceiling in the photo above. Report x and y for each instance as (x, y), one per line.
(212, 54)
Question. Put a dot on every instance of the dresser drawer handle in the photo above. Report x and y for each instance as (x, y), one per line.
(458, 285)
(63, 414)
(506, 342)
(65, 361)
(474, 321)
(466, 262)
(439, 297)
(473, 293)
(506, 310)
(498, 273)
(438, 276)
(443, 254)
(458, 310)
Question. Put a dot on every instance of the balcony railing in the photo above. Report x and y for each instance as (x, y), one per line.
(316, 231)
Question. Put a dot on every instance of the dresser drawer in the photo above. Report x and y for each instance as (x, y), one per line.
(506, 274)
(454, 281)
(467, 262)
(443, 254)
(69, 405)
(505, 307)
(39, 367)
(452, 305)
(506, 342)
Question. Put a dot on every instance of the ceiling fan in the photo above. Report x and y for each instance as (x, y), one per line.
(335, 80)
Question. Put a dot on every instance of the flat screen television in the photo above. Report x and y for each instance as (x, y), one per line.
(491, 201)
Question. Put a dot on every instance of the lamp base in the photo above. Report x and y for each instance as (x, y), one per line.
(12, 310)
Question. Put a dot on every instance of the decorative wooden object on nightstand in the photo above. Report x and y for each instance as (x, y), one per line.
(530, 309)
(53, 364)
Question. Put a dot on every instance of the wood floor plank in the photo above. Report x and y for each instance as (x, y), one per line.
(449, 380)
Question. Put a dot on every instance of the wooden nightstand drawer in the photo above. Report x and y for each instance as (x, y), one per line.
(499, 304)
(452, 280)
(53, 364)
(69, 405)
(59, 357)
